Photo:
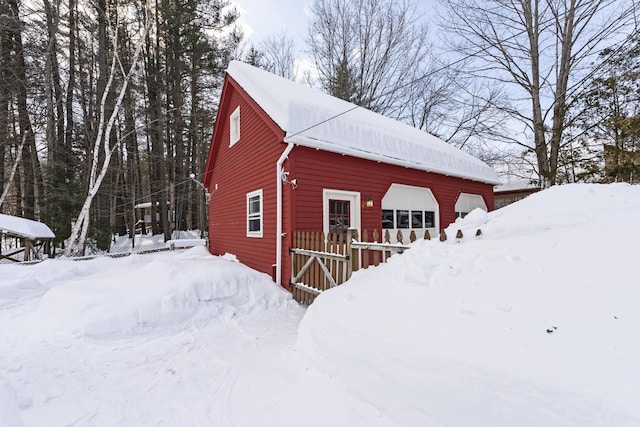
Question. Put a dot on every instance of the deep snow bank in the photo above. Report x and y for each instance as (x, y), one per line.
(532, 324)
(14, 290)
(143, 293)
(9, 405)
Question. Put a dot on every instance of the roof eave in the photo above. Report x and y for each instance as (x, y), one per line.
(327, 146)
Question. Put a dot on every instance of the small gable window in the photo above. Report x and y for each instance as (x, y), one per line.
(234, 127)
(254, 214)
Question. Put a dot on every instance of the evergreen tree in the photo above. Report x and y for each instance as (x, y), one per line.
(609, 113)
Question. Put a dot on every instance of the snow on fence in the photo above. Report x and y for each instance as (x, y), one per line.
(121, 246)
(147, 243)
(320, 262)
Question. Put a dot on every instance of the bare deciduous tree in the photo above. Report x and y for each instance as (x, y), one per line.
(537, 50)
(279, 55)
(365, 49)
(447, 103)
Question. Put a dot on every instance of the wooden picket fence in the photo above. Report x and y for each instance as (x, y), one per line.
(320, 262)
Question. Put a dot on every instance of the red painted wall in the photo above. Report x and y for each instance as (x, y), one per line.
(247, 166)
(316, 170)
(250, 165)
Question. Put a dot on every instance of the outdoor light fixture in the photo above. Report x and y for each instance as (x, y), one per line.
(285, 180)
(369, 202)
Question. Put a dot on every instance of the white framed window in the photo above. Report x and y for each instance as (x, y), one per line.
(234, 127)
(406, 207)
(417, 221)
(254, 213)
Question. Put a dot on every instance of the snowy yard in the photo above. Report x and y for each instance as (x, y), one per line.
(533, 324)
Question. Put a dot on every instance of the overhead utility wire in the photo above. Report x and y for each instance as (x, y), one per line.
(411, 82)
(460, 60)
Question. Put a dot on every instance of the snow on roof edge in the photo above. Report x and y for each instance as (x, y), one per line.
(361, 133)
(24, 227)
(348, 151)
(504, 187)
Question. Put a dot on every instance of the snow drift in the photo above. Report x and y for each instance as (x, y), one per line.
(531, 324)
(145, 293)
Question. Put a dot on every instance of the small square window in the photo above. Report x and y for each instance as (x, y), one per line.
(416, 219)
(387, 219)
(402, 219)
(429, 219)
(254, 214)
(234, 127)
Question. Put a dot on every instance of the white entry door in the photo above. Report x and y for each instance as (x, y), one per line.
(340, 211)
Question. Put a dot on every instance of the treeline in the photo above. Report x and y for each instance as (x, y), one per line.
(535, 88)
(120, 93)
(110, 104)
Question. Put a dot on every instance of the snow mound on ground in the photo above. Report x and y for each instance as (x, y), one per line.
(9, 406)
(532, 324)
(13, 290)
(144, 294)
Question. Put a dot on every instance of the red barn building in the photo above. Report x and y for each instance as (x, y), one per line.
(285, 157)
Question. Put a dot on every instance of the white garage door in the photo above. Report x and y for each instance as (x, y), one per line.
(406, 208)
(467, 202)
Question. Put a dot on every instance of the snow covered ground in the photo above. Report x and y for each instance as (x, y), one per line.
(533, 324)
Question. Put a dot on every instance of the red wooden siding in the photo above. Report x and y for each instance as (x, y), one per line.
(247, 166)
(316, 170)
(250, 165)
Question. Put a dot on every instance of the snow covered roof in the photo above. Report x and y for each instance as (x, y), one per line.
(314, 119)
(26, 228)
(515, 186)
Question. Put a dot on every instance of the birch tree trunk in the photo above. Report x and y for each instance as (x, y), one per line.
(102, 143)
(14, 168)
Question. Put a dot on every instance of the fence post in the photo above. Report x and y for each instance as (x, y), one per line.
(349, 252)
(376, 254)
(27, 249)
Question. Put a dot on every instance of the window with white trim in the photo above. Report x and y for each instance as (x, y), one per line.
(405, 207)
(401, 218)
(234, 127)
(254, 214)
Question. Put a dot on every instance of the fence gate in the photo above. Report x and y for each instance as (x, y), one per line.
(319, 263)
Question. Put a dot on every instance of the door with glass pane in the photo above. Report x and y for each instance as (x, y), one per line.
(339, 216)
(340, 211)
